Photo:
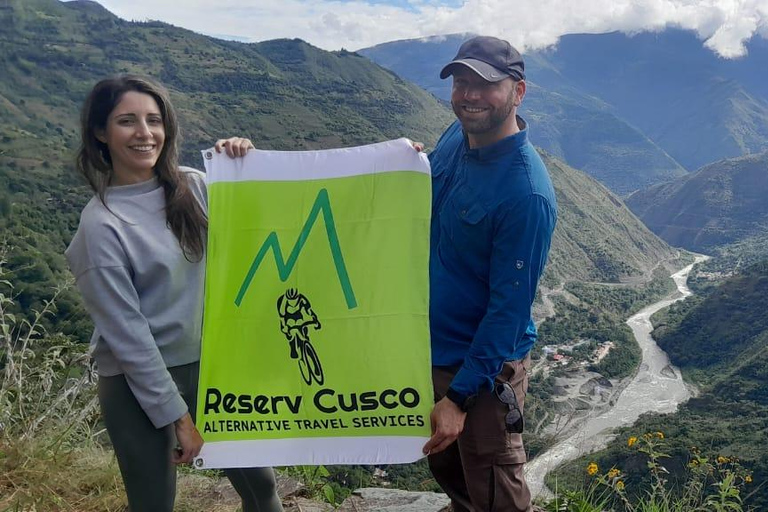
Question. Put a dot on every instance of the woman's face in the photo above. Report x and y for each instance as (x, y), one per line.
(134, 134)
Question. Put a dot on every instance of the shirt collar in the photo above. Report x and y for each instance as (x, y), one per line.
(134, 189)
(502, 147)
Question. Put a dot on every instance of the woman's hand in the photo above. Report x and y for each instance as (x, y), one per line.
(235, 147)
(189, 439)
(418, 146)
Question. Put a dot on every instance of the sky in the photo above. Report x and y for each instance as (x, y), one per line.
(724, 26)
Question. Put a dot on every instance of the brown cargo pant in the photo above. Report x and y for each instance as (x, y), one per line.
(483, 470)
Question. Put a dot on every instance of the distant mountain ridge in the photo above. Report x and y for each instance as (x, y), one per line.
(697, 106)
(626, 109)
(721, 203)
(575, 127)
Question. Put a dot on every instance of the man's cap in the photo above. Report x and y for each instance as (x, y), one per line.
(492, 58)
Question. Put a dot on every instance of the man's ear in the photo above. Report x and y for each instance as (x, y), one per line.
(520, 89)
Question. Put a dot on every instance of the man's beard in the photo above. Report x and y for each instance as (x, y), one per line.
(494, 118)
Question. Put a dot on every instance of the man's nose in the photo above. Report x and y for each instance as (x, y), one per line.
(472, 92)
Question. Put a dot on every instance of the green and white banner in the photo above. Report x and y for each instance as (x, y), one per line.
(316, 331)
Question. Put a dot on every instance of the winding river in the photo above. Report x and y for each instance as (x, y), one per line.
(656, 387)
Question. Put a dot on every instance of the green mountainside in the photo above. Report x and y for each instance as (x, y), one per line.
(597, 238)
(283, 94)
(725, 329)
(721, 203)
(578, 128)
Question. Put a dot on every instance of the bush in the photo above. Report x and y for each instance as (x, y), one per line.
(710, 484)
(48, 457)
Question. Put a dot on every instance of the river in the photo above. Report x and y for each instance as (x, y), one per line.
(657, 387)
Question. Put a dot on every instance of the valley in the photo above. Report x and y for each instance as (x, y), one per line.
(655, 148)
(598, 406)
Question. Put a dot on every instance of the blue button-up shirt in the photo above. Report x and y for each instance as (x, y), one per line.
(493, 214)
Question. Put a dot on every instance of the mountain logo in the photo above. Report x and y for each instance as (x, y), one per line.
(296, 319)
(322, 205)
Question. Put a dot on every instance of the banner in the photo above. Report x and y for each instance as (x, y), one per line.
(316, 331)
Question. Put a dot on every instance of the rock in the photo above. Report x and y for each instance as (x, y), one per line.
(287, 486)
(298, 504)
(393, 500)
(604, 382)
(669, 372)
(580, 404)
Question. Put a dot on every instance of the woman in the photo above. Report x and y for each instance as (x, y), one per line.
(139, 260)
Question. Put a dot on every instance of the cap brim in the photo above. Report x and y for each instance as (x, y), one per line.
(485, 70)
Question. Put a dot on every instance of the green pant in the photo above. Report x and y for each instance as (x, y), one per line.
(144, 452)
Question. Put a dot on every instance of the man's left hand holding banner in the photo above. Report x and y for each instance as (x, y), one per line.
(316, 331)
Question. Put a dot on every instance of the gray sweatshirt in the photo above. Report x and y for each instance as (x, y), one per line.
(145, 298)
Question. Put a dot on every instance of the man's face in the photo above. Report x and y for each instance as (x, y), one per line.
(482, 107)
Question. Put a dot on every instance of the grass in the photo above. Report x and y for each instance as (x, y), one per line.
(53, 454)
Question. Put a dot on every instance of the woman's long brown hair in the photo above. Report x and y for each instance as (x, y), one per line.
(185, 216)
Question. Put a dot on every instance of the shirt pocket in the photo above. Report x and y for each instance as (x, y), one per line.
(467, 220)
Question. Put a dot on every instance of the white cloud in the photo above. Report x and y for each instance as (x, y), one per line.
(724, 25)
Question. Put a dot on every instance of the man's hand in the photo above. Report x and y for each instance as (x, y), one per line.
(234, 146)
(189, 440)
(447, 423)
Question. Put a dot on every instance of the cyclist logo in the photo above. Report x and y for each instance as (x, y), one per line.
(296, 317)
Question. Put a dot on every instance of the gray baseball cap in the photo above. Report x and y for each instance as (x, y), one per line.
(490, 57)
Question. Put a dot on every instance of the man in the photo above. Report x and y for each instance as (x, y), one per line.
(494, 211)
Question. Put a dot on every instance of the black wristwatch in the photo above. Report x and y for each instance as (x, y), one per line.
(464, 402)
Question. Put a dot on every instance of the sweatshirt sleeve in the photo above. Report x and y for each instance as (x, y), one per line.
(113, 304)
(103, 277)
(521, 243)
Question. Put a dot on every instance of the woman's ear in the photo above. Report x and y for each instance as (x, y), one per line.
(101, 135)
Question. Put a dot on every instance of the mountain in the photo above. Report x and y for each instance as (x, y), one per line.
(656, 99)
(726, 330)
(695, 105)
(283, 94)
(597, 238)
(576, 127)
(719, 204)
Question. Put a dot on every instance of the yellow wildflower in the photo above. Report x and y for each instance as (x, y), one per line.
(613, 473)
(620, 485)
(660, 435)
(592, 468)
(721, 459)
(631, 441)
(748, 479)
